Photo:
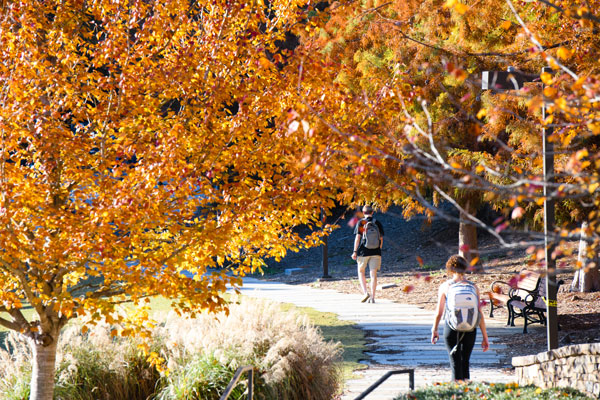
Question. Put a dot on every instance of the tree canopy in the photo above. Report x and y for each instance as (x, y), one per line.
(141, 156)
(409, 80)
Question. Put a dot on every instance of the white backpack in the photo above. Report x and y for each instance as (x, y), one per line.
(462, 306)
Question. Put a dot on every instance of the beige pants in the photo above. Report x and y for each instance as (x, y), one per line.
(373, 262)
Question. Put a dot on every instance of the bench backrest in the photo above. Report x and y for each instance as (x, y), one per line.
(528, 281)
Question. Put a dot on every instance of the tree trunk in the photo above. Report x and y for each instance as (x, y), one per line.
(42, 376)
(587, 278)
(467, 235)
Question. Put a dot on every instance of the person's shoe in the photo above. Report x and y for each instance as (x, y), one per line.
(371, 300)
(365, 298)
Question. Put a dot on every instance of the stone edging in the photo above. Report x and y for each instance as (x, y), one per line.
(576, 366)
(562, 352)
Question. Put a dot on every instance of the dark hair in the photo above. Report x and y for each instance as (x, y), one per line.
(457, 264)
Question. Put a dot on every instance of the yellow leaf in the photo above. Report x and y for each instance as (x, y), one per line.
(594, 127)
(482, 113)
(560, 103)
(563, 53)
(461, 8)
(506, 25)
(546, 78)
(449, 3)
(479, 169)
(592, 188)
(540, 201)
(264, 62)
(581, 154)
(549, 91)
(579, 83)
(455, 165)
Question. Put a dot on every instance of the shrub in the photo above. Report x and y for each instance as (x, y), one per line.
(91, 366)
(15, 360)
(97, 366)
(479, 391)
(292, 361)
(202, 377)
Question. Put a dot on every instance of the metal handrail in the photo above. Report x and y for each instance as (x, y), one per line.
(236, 377)
(411, 381)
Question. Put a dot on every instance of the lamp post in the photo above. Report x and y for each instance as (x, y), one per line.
(324, 253)
(513, 80)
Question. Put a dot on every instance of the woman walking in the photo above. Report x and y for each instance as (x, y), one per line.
(458, 302)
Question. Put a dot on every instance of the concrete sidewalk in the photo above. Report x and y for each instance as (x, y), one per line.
(399, 337)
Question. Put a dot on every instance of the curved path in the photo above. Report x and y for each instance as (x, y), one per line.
(399, 338)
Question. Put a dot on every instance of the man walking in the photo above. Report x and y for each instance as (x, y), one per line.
(368, 240)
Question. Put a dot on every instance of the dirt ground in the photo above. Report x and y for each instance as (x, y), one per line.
(413, 257)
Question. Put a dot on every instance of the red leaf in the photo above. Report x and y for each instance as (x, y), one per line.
(353, 221)
(502, 227)
(514, 281)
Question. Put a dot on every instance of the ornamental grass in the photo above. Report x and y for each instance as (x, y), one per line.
(291, 359)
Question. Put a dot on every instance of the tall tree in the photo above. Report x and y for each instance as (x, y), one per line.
(410, 98)
(140, 157)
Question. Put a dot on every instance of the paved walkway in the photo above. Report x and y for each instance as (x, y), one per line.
(399, 338)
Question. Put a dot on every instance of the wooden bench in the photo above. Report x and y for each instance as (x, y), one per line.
(524, 296)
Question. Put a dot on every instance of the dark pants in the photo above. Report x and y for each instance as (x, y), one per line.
(459, 359)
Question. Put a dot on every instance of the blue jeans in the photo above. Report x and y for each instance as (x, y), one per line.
(459, 357)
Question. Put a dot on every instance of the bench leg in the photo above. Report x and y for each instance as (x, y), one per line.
(511, 316)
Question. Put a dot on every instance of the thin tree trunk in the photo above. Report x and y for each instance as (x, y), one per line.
(467, 235)
(42, 376)
(577, 284)
(590, 281)
(586, 278)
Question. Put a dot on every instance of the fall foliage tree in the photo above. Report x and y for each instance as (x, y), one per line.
(411, 107)
(141, 156)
